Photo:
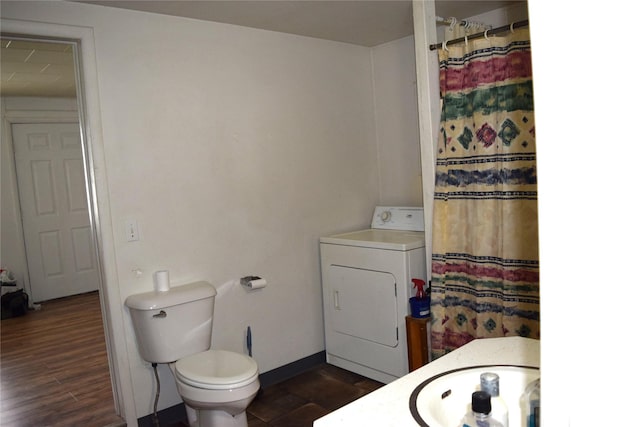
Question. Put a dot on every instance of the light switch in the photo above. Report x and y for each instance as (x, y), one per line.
(132, 230)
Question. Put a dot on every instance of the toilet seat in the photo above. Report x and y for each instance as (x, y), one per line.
(217, 370)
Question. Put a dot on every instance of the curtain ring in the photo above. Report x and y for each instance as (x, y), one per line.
(454, 20)
(466, 40)
(511, 27)
(444, 46)
(486, 34)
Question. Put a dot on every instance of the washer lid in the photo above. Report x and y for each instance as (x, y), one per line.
(379, 239)
(217, 369)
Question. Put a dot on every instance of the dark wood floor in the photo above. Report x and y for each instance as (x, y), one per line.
(53, 367)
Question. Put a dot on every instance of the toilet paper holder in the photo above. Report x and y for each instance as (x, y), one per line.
(253, 282)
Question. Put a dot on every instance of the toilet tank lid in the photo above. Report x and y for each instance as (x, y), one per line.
(174, 296)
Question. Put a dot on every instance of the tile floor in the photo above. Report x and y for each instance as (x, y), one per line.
(298, 401)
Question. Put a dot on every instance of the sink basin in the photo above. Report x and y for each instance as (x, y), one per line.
(442, 400)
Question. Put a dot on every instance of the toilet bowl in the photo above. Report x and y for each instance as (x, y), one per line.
(175, 327)
(217, 386)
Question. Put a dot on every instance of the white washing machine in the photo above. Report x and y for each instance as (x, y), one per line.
(366, 286)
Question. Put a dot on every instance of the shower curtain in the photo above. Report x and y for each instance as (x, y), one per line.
(485, 279)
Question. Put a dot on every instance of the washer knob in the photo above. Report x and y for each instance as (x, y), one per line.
(385, 216)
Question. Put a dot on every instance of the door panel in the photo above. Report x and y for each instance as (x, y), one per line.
(53, 202)
(364, 304)
(43, 193)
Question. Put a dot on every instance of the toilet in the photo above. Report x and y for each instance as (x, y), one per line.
(175, 327)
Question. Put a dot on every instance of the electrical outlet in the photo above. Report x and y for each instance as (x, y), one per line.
(131, 228)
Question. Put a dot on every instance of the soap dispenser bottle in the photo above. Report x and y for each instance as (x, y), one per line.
(490, 382)
(480, 415)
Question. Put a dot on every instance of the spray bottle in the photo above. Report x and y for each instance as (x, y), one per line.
(419, 285)
(421, 303)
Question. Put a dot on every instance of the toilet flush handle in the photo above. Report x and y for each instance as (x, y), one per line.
(161, 315)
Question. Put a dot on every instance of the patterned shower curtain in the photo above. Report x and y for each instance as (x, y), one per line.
(485, 224)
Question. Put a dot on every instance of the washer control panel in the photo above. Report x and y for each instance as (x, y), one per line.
(398, 218)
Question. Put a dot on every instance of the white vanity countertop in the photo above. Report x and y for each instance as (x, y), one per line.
(389, 405)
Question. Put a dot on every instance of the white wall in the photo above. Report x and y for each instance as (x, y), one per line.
(235, 149)
(396, 109)
(586, 112)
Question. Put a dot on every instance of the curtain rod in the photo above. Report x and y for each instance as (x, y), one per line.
(452, 20)
(491, 32)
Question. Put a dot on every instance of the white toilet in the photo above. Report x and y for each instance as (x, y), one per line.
(175, 327)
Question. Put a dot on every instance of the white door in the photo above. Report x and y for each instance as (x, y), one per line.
(51, 187)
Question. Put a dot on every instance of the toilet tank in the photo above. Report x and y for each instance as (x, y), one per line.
(173, 324)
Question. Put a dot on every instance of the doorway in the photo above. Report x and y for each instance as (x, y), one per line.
(49, 238)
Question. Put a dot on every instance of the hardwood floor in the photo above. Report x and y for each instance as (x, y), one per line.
(53, 367)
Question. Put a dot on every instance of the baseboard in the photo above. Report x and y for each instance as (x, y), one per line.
(177, 413)
(173, 415)
(292, 369)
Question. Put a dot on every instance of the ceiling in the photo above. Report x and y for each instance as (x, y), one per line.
(46, 69)
(361, 22)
